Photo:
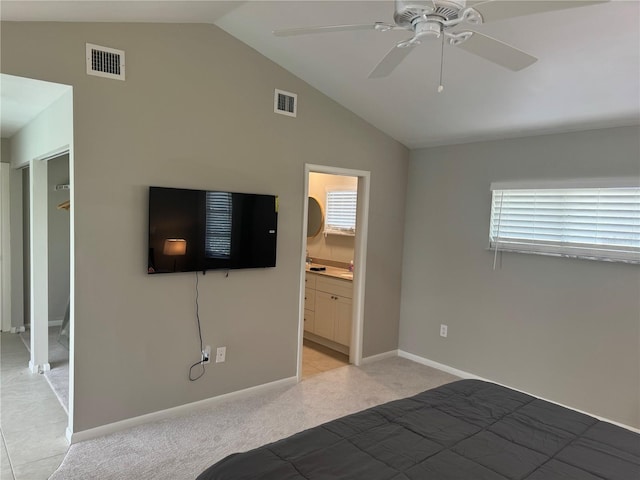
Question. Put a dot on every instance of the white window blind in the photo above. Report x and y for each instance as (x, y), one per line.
(218, 225)
(596, 223)
(341, 212)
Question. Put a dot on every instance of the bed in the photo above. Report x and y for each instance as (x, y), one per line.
(463, 430)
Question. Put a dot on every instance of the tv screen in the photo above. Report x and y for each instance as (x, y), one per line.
(198, 230)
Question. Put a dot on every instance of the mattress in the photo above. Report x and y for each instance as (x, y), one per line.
(463, 430)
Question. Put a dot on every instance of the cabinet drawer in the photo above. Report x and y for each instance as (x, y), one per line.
(309, 299)
(310, 280)
(343, 288)
(309, 320)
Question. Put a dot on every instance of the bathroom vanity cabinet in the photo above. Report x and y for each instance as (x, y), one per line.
(328, 307)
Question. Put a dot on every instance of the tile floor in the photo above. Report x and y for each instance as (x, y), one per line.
(58, 376)
(318, 358)
(32, 421)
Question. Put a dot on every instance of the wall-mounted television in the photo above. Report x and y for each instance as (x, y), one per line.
(199, 230)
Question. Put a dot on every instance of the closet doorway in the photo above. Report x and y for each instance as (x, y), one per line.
(57, 221)
(58, 243)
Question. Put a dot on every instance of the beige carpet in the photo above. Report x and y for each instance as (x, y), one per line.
(181, 448)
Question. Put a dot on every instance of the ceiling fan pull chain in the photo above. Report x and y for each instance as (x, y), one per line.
(441, 87)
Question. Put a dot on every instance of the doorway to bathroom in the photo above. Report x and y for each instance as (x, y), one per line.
(332, 268)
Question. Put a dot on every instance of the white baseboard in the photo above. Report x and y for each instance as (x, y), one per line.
(379, 356)
(17, 329)
(75, 437)
(442, 366)
(468, 375)
(57, 322)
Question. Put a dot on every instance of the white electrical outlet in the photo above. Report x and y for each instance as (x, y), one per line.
(443, 330)
(221, 354)
(206, 354)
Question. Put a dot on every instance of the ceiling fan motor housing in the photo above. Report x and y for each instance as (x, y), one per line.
(408, 11)
(428, 29)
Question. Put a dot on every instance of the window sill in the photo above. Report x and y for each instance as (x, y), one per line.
(340, 234)
(565, 255)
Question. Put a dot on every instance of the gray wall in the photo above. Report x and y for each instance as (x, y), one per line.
(5, 150)
(58, 237)
(567, 330)
(15, 202)
(196, 111)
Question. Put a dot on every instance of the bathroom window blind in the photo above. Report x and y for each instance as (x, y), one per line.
(218, 225)
(595, 223)
(341, 212)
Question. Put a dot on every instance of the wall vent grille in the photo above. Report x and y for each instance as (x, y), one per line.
(285, 103)
(105, 62)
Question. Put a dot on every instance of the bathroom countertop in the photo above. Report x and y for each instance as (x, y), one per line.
(335, 272)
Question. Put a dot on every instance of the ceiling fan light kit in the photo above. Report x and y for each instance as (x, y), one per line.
(431, 19)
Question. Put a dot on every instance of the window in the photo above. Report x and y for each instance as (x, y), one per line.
(601, 223)
(341, 212)
(218, 225)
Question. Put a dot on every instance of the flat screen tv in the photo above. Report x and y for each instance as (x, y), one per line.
(198, 230)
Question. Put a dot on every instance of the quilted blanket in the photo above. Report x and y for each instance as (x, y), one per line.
(464, 430)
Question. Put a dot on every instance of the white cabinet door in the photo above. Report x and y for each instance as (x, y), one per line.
(342, 320)
(325, 315)
(309, 299)
(309, 321)
(310, 280)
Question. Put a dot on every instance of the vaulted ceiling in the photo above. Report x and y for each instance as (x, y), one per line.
(587, 74)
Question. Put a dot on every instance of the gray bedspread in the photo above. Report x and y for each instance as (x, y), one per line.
(464, 430)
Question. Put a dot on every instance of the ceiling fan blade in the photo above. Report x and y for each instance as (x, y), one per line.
(493, 10)
(497, 52)
(288, 32)
(390, 61)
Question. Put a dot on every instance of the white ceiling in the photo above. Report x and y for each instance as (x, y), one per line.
(22, 99)
(157, 11)
(587, 76)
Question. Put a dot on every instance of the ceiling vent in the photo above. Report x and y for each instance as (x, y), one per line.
(105, 62)
(285, 103)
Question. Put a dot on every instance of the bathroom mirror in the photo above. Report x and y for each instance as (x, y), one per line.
(315, 218)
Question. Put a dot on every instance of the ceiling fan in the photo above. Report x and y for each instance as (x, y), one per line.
(448, 20)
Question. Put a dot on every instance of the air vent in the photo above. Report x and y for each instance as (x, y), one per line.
(285, 103)
(105, 62)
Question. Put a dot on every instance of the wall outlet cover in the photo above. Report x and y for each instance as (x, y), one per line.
(443, 330)
(221, 354)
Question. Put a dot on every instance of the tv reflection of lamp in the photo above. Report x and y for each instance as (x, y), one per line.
(175, 247)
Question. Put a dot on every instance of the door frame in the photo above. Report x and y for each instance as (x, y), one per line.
(360, 258)
(5, 246)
